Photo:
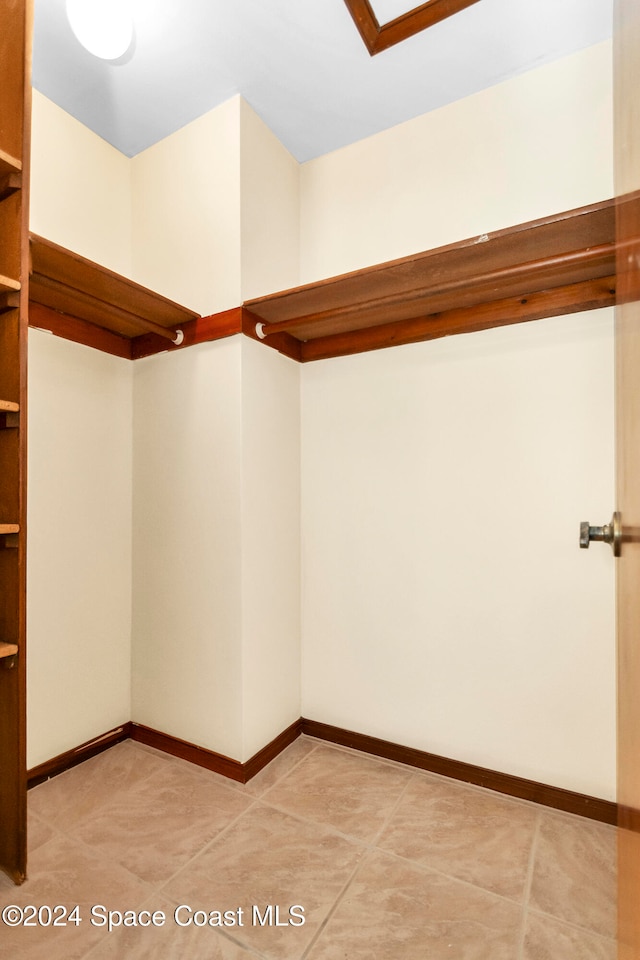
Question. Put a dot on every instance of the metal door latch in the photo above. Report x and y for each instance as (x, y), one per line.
(610, 533)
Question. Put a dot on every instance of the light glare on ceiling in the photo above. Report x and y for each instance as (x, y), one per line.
(103, 27)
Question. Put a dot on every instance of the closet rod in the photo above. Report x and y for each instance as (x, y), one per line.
(176, 336)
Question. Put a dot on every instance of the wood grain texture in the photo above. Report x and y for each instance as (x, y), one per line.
(9, 163)
(379, 37)
(282, 342)
(8, 284)
(439, 296)
(9, 300)
(71, 284)
(16, 17)
(79, 331)
(563, 263)
(200, 330)
(9, 183)
(217, 326)
(553, 303)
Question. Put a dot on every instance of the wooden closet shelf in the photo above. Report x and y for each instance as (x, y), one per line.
(559, 264)
(8, 285)
(9, 164)
(6, 528)
(9, 300)
(8, 650)
(77, 287)
(9, 183)
(9, 414)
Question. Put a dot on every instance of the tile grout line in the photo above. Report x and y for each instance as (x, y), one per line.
(205, 847)
(527, 889)
(285, 774)
(369, 848)
(153, 888)
(70, 831)
(254, 801)
(422, 772)
(372, 846)
(58, 779)
(427, 868)
(573, 926)
(423, 868)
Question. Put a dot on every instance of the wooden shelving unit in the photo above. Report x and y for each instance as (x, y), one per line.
(15, 122)
(81, 300)
(549, 267)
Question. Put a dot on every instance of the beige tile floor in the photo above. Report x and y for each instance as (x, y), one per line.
(386, 862)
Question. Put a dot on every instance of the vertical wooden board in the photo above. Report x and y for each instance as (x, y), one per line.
(12, 775)
(9, 621)
(10, 355)
(10, 233)
(627, 174)
(9, 476)
(12, 70)
(13, 833)
(16, 19)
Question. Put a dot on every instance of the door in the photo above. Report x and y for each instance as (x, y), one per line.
(627, 174)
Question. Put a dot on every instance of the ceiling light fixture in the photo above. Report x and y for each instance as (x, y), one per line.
(103, 27)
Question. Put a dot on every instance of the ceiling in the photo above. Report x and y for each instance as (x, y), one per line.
(301, 64)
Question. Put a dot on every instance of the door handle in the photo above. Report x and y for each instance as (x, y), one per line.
(609, 533)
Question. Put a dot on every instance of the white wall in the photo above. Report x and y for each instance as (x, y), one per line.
(523, 149)
(446, 604)
(187, 586)
(80, 436)
(216, 626)
(270, 209)
(270, 544)
(216, 660)
(270, 215)
(186, 213)
(79, 549)
(80, 189)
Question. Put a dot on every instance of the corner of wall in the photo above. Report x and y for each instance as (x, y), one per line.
(186, 213)
(271, 589)
(80, 188)
(270, 209)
